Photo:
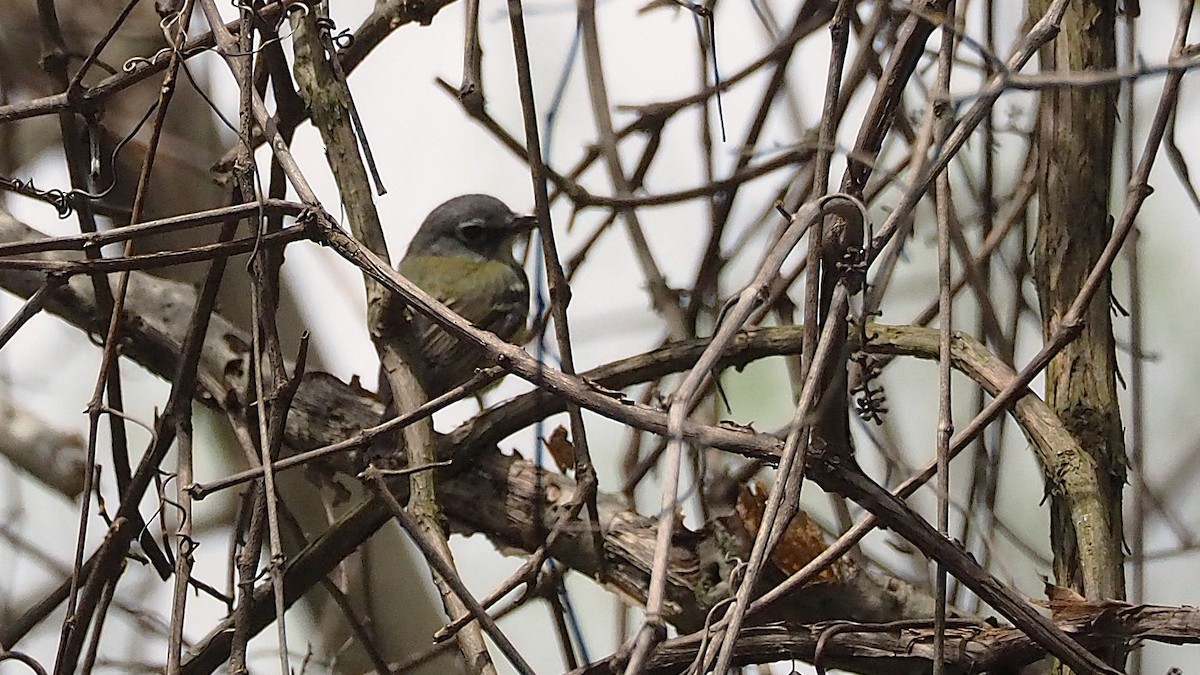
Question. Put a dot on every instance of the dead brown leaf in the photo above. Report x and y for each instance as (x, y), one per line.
(561, 449)
(801, 542)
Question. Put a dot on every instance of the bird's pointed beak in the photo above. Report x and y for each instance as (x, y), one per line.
(522, 224)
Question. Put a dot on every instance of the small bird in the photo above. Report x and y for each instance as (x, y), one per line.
(462, 256)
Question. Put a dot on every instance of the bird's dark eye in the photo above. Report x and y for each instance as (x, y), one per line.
(471, 232)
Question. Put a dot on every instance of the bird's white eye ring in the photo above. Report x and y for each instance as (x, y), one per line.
(471, 231)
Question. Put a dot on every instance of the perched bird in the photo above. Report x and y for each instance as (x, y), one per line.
(462, 256)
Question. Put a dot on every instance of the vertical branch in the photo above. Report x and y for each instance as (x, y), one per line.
(265, 433)
(560, 291)
(264, 268)
(983, 465)
(183, 557)
(1077, 129)
(943, 114)
(1137, 421)
(328, 99)
(705, 35)
(1137, 371)
(470, 92)
(89, 658)
(265, 275)
(247, 572)
(839, 38)
(839, 33)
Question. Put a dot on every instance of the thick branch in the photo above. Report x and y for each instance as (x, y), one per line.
(908, 646)
(1077, 129)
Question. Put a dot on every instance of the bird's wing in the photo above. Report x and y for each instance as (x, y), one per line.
(491, 295)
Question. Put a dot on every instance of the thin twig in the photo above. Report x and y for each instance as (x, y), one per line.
(560, 290)
(944, 115)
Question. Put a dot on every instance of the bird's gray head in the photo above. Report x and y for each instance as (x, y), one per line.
(471, 225)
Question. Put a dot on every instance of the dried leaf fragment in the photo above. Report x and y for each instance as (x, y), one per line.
(561, 449)
(1066, 604)
(801, 542)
